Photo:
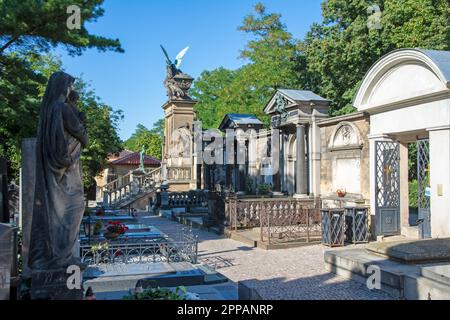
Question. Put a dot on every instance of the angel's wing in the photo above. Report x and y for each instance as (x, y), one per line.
(167, 56)
(180, 56)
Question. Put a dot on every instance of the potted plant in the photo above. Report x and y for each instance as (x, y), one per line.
(341, 193)
(263, 189)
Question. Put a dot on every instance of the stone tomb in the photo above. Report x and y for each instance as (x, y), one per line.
(344, 160)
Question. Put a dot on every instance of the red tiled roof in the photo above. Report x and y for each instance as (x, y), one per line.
(134, 159)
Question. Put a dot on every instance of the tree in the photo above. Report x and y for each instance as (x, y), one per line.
(341, 49)
(29, 29)
(102, 123)
(158, 128)
(274, 61)
(41, 25)
(212, 91)
(21, 87)
(151, 140)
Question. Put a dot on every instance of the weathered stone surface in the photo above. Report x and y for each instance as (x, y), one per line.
(52, 285)
(6, 259)
(417, 251)
(27, 184)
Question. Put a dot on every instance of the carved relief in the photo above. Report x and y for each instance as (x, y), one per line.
(346, 135)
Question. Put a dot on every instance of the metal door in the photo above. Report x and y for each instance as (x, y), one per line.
(423, 188)
(387, 187)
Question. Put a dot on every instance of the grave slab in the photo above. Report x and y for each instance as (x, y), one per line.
(414, 251)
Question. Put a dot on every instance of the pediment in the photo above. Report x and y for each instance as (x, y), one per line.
(278, 100)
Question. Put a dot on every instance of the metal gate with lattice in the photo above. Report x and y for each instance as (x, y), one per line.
(423, 185)
(387, 187)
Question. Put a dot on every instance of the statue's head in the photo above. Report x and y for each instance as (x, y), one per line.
(59, 86)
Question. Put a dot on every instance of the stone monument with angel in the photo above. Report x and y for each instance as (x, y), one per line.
(177, 83)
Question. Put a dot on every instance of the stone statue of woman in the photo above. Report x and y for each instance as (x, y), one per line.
(59, 196)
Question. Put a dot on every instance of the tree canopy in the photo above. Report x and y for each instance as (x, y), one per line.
(42, 25)
(331, 60)
(150, 139)
(29, 30)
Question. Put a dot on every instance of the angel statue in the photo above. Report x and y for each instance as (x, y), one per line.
(177, 83)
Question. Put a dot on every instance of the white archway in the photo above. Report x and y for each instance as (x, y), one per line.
(407, 95)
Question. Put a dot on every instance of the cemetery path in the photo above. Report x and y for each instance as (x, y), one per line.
(295, 273)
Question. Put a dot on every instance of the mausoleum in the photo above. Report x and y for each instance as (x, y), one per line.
(407, 95)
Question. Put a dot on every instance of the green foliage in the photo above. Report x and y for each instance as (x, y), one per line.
(22, 85)
(248, 185)
(274, 61)
(159, 294)
(29, 29)
(331, 60)
(151, 140)
(412, 161)
(42, 25)
(263, 189)
(102, 123)
(341, 49)
(413, 194)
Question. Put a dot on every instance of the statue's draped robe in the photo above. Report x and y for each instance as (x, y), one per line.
(59, 196)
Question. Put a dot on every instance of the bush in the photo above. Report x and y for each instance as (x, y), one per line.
(159, 294)
(413, 194)
(263, 189)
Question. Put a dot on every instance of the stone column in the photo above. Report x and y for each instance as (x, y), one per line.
(301, 161)
(404, 191)
(440, 182)
(207, 181)
(277, 177)
(199, 176)
(315, 158)
(282, 162)
(27, 184)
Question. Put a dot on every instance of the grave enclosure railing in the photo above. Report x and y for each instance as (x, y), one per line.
(278, 220)
(142, 252)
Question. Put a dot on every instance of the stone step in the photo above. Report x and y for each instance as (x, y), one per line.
(198, 210)
(413, 251)
(400, 280)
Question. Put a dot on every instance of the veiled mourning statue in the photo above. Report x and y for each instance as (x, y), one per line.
(59, 195)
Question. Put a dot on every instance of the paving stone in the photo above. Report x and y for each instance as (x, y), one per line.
(294, 273)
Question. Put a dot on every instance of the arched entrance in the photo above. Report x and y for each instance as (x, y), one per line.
(407, 95)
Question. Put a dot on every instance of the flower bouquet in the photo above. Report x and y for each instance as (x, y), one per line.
(341, 193)
(115, 229)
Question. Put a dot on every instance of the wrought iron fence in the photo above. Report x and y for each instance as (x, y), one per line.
(141, 252)
(279, 220)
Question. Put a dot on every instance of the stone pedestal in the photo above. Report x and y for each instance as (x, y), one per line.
(53, 285)
(6, 260)
(27, 184)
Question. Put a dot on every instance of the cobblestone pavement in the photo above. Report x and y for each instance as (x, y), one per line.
(297, 273)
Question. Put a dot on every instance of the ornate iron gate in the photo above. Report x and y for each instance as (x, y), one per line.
(387, 187)
(423, 182)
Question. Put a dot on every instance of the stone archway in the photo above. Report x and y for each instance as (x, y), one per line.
(407, 95)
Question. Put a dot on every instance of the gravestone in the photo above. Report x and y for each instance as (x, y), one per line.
(6, 260)
(27, 184)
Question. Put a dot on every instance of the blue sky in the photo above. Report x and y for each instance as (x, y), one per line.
(132, 81)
